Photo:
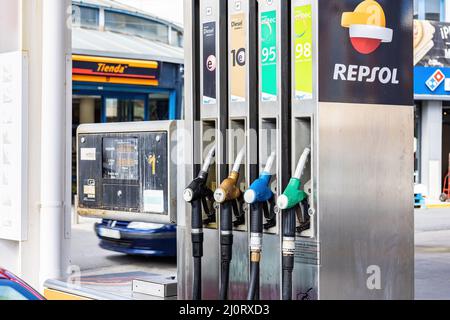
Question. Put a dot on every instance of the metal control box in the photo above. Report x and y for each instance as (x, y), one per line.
(127, 171)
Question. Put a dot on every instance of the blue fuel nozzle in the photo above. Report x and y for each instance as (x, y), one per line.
(260, 190)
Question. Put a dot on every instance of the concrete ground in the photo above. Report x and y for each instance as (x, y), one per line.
(432, 259)
(432, 267)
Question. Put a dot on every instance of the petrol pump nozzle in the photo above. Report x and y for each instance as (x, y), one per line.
(292, 195)
(196, 193)
(227, 195)
(194, 190)
(228, 189)
(259, 191)
(257, 196)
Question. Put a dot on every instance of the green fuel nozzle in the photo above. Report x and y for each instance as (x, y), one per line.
(292, 195)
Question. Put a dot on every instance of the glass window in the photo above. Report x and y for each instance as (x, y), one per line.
(177, 38)
(10, 290)
(8, 293)
(433, 10)
(428, 9)
(85, 16)
(121, 158)
(159, 106)
(138, 110)
(145, 28)
(416, 9)
(113, 110)
(123, 110)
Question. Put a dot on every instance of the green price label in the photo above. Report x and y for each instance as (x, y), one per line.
(303, 52)
(269, 56)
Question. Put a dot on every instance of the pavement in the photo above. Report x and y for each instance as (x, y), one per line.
(432, 258)
(432, 255)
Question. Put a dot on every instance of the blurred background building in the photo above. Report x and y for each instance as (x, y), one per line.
(127, 62)
(432, 102)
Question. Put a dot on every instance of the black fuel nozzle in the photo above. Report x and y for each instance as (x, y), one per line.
(196, 194)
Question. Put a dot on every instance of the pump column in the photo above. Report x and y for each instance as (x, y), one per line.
(213, 116)
(274, 114)
(243, 121)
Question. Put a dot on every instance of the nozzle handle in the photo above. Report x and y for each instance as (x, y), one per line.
(239, 159)
(269, 163)
(209, 158)
(302, 163)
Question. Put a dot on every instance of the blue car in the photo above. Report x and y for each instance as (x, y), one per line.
(138, 238)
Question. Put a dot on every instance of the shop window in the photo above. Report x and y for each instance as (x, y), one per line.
(158, 104)
(124, 110)
(429, 9)
(139, 110)
(152, 30)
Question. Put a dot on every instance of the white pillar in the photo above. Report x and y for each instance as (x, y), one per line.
(54, 30)
(87, 110)
(432, 148)
(447, 10)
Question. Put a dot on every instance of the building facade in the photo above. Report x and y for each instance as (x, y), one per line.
(432, 94)
(127, 65)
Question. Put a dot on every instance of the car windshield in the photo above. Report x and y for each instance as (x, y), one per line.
(10, 290)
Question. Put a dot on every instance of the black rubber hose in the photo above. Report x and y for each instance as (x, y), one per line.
(197, 281)
(256, 218)
(256, 226)
(254, 281)
(289, 224)
(288, 267)
(226, 245)
(225, 279)
(197, 248)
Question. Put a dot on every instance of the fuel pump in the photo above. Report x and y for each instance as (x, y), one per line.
(198, 194)
(288, 202)
(258, 196)
(227, 196)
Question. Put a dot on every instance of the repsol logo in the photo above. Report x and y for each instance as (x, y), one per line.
(383, 75)
(111, 68)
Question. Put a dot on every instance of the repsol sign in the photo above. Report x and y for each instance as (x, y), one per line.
(354, 73)
(365, 52)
